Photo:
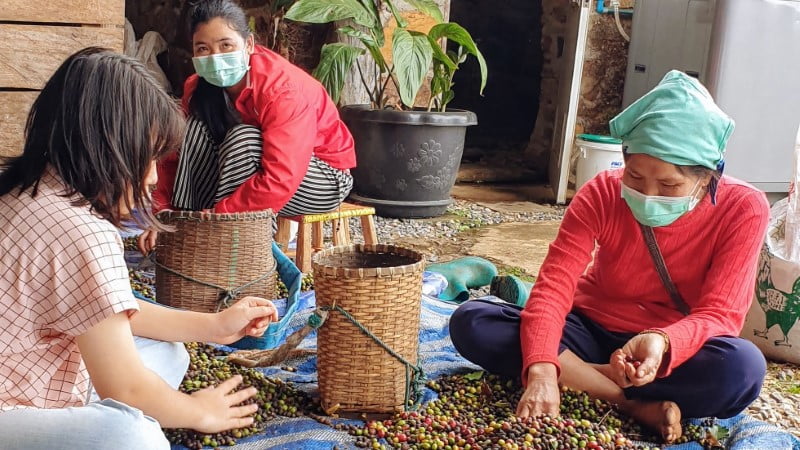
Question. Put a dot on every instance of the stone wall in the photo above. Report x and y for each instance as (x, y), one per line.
(603, 76)
(300, 43)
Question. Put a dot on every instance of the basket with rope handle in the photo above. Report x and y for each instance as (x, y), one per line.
(367, 357)
(211, 260)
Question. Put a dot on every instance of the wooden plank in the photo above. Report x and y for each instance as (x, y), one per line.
(64, 11)
(14, 107)
(29, 54)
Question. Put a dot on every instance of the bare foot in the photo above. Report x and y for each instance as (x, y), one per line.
(663, 417)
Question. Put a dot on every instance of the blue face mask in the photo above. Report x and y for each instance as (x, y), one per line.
(658, 211)
(223, 69)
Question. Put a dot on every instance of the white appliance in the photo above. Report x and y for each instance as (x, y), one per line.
(754, 75)
(666, 35)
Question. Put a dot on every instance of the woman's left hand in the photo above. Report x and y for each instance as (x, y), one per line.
(640, 358)
(250, 316)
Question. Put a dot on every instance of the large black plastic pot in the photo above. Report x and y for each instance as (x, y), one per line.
(407, 160)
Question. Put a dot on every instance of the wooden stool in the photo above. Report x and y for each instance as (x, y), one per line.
(309, 233)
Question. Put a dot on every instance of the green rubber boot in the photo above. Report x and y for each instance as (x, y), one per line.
(511, 289)
(463, 274)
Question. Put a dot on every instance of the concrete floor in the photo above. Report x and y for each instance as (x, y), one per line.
(519, 245)
(515, 247)
(522, 245)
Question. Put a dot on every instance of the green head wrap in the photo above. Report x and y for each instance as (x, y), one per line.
(676, 122)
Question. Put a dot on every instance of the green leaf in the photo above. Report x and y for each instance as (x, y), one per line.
(372, 46)
(324, 11)
(369, 5)
(474, 376)
(428, 7)
(440, 55)
(358, 34)
(377, 28)
(412, 56)
(401, 22)
(447, 96)
(459, 35)
(335, 62)
(718, 432)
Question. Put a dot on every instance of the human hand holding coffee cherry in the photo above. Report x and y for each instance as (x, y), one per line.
(638, 361)
(250, 316)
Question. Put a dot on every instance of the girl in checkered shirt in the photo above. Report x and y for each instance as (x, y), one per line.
(67, 314)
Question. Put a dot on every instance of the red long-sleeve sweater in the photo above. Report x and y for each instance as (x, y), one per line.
(711, 254)
(297, 120)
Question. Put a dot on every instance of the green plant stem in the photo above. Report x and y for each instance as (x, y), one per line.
(364, 82)
(378, 91)
(450, 85)
(386, 83)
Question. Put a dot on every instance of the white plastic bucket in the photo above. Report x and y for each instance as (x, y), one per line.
(595, 157)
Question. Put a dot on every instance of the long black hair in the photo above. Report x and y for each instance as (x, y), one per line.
(99, 123)
(209, 103)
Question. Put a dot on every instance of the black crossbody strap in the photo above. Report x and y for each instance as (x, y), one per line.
(661, 268)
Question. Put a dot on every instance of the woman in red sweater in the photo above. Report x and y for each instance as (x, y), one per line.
(615, 330)
(262, 133)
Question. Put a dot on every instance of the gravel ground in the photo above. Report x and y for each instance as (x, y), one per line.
(779, 402)
(461, 216)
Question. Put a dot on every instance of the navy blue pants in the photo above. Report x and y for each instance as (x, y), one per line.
(721, 380)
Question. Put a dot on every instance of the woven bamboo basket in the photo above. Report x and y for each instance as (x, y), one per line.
(213, 259)
(380, 287)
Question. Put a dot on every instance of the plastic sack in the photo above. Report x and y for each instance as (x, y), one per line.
(771, 323)
(147, 50)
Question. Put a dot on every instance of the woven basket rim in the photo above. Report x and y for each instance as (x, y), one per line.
(167, 215)
(360, 272)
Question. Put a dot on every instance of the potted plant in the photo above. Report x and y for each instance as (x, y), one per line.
(408, 157)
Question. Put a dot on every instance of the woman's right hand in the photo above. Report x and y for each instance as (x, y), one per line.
(218, 410)
(542, 395)
(147, 240)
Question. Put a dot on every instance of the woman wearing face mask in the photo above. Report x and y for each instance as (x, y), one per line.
(262, 133)
(660, 345)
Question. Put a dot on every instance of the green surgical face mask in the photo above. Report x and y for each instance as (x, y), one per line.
(658, 211)
(223, 69)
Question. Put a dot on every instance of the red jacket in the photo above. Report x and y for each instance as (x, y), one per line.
(711, 254)
(297, 119)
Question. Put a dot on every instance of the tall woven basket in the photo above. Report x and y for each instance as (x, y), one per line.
(379, 287)
(213, 259)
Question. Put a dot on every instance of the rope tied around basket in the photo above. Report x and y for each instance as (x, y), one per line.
(226, 295)
(415, 376)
